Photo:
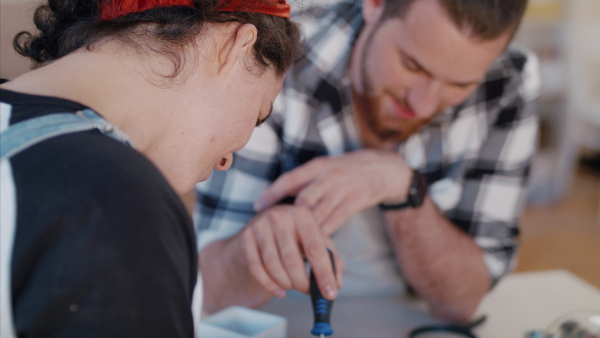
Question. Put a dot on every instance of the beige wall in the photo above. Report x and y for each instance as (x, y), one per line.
(15, 16)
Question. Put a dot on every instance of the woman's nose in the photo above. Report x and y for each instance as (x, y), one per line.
(225, 162)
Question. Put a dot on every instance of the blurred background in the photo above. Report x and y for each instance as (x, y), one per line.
(561, 225)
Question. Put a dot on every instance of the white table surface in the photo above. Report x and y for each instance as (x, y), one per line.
(520, 303)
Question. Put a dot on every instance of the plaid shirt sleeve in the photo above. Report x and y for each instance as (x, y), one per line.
(494, 181)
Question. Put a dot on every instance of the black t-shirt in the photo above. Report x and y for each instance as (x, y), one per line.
(103, 246)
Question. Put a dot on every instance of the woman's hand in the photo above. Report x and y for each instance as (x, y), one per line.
(277, 241)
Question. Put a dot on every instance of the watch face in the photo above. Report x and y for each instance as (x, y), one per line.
(418, 190)
(416, 194)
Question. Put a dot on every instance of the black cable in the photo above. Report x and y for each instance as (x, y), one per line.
(463, 330)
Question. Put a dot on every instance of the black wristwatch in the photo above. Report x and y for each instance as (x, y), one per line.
(416, 194)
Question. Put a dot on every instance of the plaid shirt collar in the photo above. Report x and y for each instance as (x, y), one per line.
(323, 70)
(325, 66)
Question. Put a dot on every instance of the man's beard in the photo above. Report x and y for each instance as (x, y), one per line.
(369, 112)
(378, 124)
(367, 108)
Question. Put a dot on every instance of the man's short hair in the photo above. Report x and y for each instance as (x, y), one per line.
(484, 19)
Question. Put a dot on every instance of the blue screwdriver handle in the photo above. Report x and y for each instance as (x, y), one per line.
(321, 306)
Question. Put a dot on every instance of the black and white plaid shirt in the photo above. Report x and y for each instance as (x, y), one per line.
(476, 156)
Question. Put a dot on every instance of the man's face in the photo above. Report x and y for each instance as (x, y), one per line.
(405, 71)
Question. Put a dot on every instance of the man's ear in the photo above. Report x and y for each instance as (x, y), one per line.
(372, 10)
(237, 46)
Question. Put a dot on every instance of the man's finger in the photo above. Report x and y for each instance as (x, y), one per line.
(288, 184)
(341, 203)
(310, 195)
(340, 212)
(330, 199)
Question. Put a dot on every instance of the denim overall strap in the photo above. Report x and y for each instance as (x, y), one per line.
(14, 139)
(24, 134)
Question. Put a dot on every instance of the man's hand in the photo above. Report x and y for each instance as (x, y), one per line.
(335, 188)
(275, 243)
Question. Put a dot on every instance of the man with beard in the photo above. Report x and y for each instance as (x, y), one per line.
(405, 136)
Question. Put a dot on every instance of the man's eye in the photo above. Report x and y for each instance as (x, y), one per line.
(410, 66)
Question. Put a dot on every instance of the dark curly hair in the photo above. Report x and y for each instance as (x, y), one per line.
(67, 25)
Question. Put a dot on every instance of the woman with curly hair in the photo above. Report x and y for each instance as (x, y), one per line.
(132, 102)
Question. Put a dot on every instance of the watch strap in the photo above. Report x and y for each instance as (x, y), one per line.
(415, 197)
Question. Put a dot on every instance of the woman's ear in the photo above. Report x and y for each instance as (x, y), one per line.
(238, 44)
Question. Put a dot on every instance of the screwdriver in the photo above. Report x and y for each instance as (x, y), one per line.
(321, 306)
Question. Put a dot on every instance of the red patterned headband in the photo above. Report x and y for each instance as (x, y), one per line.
(116, 8)
(270, 7)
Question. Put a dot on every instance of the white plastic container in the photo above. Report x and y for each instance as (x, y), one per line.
(241, 322)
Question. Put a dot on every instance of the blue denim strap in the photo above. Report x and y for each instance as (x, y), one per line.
(24, 134)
